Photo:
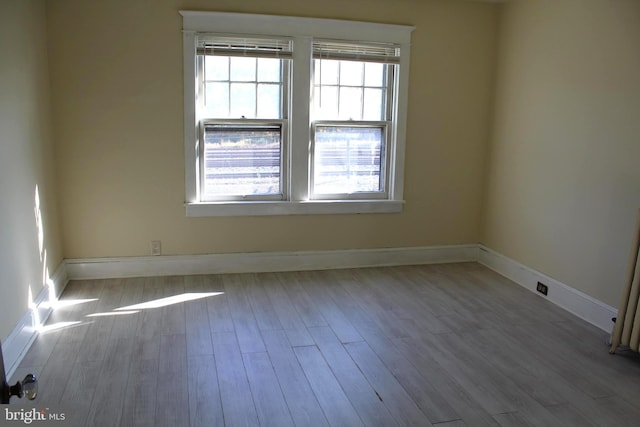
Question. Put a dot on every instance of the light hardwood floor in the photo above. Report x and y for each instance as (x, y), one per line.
(447, 345)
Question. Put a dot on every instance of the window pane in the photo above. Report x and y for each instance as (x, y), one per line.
(350, 103)
(348, 159)
(351, 73)
(326, 103)
(268, 70)
(242, 161)
(243, 69)
(243, 100)
(326, 71)
(217, 100)
(374, 74)
(216, 68)
(269, 101)
(373, 105)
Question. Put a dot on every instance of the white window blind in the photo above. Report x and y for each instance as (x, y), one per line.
(368, 52)
(213, 44)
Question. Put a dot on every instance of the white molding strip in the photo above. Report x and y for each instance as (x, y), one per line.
(566, 297)
(574, 301)
(24, 333)
(100, 268)
(249, 23)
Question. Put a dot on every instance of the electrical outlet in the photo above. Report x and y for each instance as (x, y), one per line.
(542, 288)
(156, 247)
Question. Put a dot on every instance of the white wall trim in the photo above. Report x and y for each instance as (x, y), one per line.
(24, 333)
(566, 297)
(574, 301)
(292, 207)
(296, 191)
(98, 268)
(229, 22)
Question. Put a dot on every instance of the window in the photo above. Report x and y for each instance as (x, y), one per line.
(242, 112)
(291, 115)
(351, 119)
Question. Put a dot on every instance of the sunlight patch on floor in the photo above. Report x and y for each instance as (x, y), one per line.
(112, 313)
(163, 302)
(61, 304)
(56, 326)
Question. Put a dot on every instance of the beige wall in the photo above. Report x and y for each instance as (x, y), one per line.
(26, 160)
(116, 76)
(556, 189)
(564, 183)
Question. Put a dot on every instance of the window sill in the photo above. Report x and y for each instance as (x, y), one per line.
(293, 208)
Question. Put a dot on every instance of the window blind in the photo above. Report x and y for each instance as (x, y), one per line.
(345, 51)
(212, 44)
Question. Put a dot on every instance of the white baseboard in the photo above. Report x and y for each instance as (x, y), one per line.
(100, 268)
(24, 333)
(574, 301)
(570, 299)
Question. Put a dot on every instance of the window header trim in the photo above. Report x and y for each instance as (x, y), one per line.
(274, 25)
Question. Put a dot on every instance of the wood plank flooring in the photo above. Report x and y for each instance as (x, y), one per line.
(445, 345)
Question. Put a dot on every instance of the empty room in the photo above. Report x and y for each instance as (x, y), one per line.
(336, 213)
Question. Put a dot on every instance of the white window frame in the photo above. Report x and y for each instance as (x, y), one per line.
(302, 31)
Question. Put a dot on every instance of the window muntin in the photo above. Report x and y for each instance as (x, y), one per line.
(350, 90)
(241, 87)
